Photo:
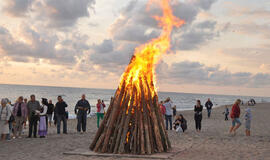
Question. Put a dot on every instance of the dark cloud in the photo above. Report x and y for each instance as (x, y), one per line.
(197, 73)
(195, 36)
(17, 8)
(65, 13)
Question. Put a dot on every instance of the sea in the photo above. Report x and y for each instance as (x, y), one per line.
(183, 101)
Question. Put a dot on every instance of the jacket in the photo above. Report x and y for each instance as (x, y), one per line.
(99, 106)
(235, 113)
(24, 109)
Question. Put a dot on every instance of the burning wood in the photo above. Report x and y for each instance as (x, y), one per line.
(133, 122)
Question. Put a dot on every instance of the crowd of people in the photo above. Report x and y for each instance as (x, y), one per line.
(13, 117)
(180, 124)
(41, 116)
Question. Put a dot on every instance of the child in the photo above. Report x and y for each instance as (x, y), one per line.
(226, 113)
(248, 121)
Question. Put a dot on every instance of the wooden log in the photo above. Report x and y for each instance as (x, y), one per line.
(121, 124)
(135, 131)
(114, 115)
(145, 121)
(103, 124)
(126, 126)
(141, 131)
(156, 129)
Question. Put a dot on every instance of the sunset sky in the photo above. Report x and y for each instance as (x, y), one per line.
(224, 47)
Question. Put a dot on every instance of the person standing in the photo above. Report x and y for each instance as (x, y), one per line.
(226, 113)
(198, 115)
(81, 109)
(50, 112)
(235, 114)
(100, 111)
(168, 113)
(5, 113)
(20, 113)
(42, 126)
(209, 106)
(32, 107)
(60, 111)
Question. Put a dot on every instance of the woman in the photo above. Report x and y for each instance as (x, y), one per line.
(180, 124)
(42, 127)
(198, 115)
(20, 114)
(162, 108)
(5, 113)
(235, 114)
(100, 111)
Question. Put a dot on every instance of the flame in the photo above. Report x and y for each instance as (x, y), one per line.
(141, 70)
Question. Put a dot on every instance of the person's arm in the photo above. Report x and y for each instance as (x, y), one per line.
(76, 107)
(89, 107)
(13, 111)
(65, 105)
(8, 113)
(39, 107)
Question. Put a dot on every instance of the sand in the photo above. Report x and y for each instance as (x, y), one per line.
(212, 143)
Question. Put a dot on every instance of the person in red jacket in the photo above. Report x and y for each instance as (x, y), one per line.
(100, 111)
(162, 108)
(235, 114)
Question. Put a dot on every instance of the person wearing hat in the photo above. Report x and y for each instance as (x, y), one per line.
(5, 113)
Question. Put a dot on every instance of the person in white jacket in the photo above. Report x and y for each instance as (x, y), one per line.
(5, 113)
(42, 127)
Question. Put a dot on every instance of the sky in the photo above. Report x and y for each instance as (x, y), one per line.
(223, 48)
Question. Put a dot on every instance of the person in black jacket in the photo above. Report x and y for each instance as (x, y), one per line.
(180, 121)
(60, 111)
(198, 115)
(81, 109)
(209, 106)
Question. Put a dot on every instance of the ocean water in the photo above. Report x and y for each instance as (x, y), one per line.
(183, 101)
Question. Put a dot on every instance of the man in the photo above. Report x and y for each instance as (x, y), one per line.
(60, 111)
(32, 106)
(81, 109)
(209, 106)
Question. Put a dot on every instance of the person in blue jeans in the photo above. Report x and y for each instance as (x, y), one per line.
(60, 111)
(168, 113)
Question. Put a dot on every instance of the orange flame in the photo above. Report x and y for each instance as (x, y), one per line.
(146, 56)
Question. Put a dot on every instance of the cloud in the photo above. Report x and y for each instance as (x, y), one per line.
(197, 35)
(17, 8)
(196, 73)
(136, 25)
(38, 46)
(65, 13)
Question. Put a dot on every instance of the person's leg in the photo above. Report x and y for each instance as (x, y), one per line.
(167, 119)
(20, 127)
(64, 124)
(58, 120)
(170, 120)
(210, 110)
(98, 116)
(30, 126)
(196, 123)
(35, 126)
(84, 119)
(237, 120)
(199, 124)
(79, 122)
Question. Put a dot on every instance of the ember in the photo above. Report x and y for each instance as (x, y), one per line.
(133, 123)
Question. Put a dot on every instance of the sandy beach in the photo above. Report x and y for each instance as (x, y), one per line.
(213, 142)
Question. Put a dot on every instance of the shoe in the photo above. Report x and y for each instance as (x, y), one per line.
(29, 137)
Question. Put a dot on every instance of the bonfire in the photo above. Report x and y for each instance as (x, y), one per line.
(133, 122)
